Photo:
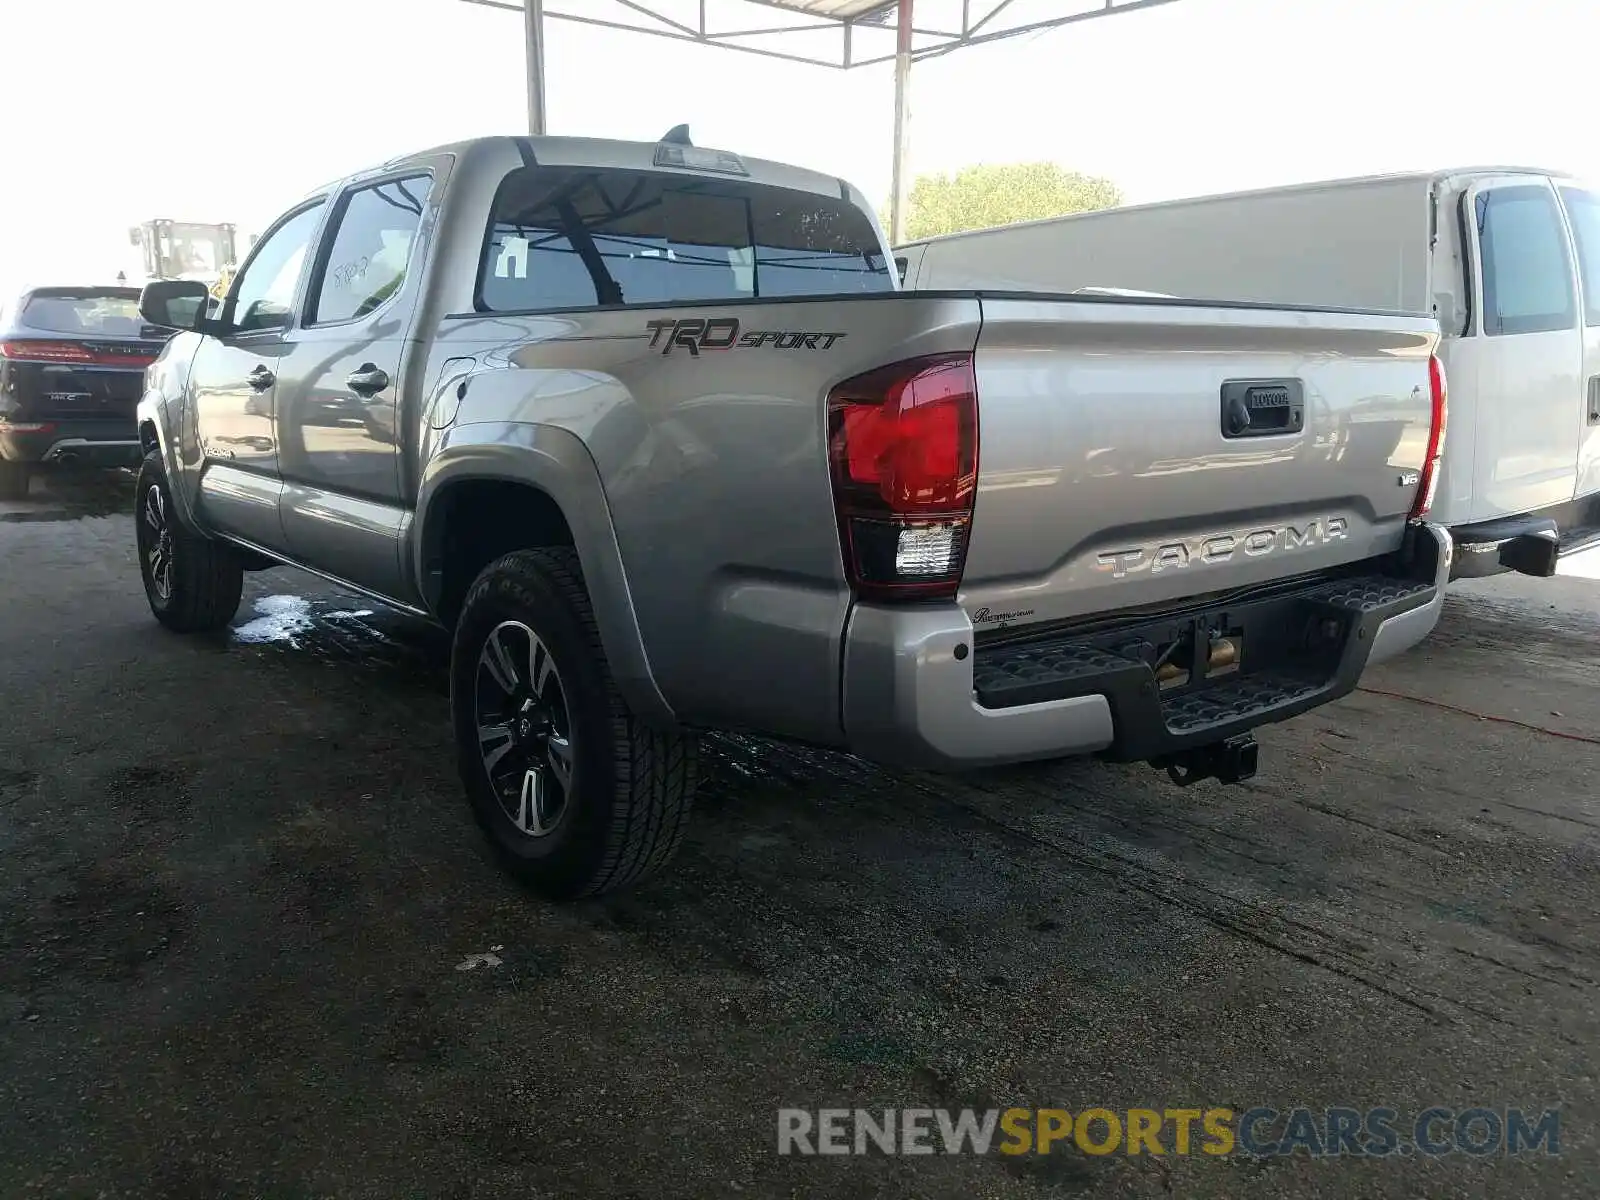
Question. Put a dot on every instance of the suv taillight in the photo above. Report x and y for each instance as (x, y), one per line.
(46, 351)
(903, 448)
(1429, 483)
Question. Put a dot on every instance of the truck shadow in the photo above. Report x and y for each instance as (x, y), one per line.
(894, 901)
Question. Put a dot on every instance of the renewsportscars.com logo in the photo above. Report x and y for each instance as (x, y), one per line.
(1257, 1132)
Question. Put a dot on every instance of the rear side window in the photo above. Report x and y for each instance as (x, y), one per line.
(86, 313)
(580, 238)
(366, 262)
(1527, 277)
(1583, 207)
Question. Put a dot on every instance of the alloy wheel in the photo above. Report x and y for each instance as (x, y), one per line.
(524, 729)
(156, 544)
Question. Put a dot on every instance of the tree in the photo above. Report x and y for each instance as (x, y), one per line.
(983, 196)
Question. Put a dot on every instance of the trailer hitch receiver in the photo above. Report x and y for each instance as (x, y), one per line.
(1230, 761)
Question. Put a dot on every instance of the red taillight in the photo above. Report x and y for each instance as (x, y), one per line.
(73, 352)
(903, 447)
(46, 351)
(1429, 483)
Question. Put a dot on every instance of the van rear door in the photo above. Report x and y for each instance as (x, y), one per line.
(1525, 361)
(1583, 214)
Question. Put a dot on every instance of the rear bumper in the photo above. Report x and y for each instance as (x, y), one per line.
(1528, 544)
(917, 692)
(91, 443)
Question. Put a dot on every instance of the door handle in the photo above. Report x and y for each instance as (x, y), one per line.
(369, 380)
(1594, 399)
(261, 379)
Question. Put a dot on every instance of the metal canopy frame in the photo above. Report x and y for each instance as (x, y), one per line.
(982, 22)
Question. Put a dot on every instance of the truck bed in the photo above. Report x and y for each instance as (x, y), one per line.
(1105, 482)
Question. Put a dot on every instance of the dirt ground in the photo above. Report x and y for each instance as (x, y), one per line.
(238, 887)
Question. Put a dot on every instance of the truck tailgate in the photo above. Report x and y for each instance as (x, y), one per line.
(1137, 453)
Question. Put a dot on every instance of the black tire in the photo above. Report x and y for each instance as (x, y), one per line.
(627, 798)
(203, 580)
(14, 478)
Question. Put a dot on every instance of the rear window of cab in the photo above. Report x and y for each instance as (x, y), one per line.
(582, 238)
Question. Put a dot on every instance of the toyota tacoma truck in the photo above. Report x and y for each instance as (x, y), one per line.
(652, 429)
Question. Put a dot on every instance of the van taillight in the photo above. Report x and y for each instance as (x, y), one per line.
(1429, 482)
(903, 449)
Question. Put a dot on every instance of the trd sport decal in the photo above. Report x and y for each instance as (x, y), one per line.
(695, 334)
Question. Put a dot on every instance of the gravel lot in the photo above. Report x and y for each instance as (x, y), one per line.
(237, 883)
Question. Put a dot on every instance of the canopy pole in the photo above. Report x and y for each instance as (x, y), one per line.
(900, 200)
(533, 14)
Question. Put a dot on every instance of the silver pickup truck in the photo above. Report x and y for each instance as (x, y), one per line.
(652, 430)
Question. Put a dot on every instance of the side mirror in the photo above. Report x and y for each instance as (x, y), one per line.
(900, 265)
(174, 303)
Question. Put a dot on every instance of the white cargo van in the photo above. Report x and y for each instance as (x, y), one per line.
(1508, 259)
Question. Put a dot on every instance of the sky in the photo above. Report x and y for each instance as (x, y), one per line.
(228, 110)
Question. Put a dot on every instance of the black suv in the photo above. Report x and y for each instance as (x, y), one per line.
(72, 366)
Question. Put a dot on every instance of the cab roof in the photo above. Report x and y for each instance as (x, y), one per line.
(606, 152)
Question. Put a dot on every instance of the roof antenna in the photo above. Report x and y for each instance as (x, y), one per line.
(678, 135)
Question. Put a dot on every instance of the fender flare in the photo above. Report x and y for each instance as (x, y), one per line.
(154, 407)
(554, 461)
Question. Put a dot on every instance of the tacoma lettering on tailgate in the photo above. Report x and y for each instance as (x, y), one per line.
(1216, 548)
